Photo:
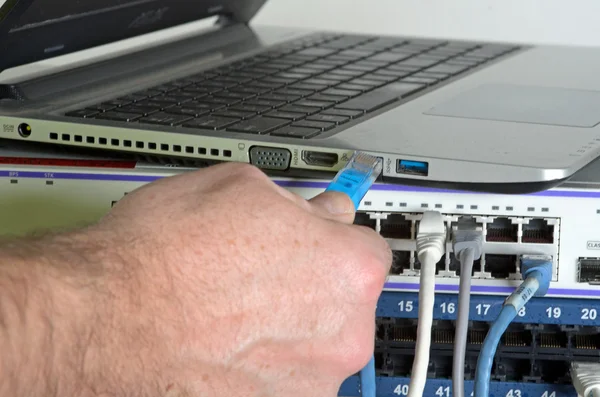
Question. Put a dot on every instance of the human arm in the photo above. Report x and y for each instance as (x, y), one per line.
(216, 281)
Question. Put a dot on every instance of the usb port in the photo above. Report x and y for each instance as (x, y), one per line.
(411, 167)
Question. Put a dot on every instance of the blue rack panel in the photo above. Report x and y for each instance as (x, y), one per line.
(398, 387)
(541, 310)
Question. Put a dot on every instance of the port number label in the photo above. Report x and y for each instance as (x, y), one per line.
(401, 390)
(522, 312)
(449, 307)
(548, 394)
(483, 308)
(589, 314)
(513, 393)
(443, 391)
(553, 312)
(405, 306)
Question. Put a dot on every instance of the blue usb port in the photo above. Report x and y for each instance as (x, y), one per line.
(411, 167)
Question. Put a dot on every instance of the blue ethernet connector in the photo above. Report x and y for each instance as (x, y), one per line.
(357, 177)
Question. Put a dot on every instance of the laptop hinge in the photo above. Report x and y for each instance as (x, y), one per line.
(11, 92)
(228, 20)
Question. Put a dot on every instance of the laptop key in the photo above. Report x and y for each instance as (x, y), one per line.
(117, 102)
(265, 84)
(250, 91)
(266, 102)
(295, 76)
(285, 115)
(356, 54)
(234, 95)
(258, 125)
(348, 73)
(221, 100)
(342, 92)
(369, 83)
(353, 114)
(303, 70)
(327, 98)
(438, 76)
(333, 76)
(322, 126)
(320, 66)
(320, 52)
(328, 118)
(393, 73)
(166, 99)
(299, 109)
(188, 111)
(210, 123)
(420, 80)
(292, 91)
(245, 107)
(361, 68)
(420, 61)
(154, 104)
(380, 77)
(332, 62)
(448, 69)
(321, 81)
(388, 57)
(380, 97)
(235, 114)
(118, 116)
(164, 118)
(296, 132)
(199, 105)
(309, 87)
(314, 104)
(352, 87)
(280, 97)
(139, 109)
(278, 80)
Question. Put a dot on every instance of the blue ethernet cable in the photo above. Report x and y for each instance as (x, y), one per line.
(357, 176)
(355, 179)
(536, 270)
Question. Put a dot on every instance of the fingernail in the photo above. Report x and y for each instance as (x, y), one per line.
(334, 203)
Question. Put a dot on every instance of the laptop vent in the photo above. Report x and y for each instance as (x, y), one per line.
(163, 148)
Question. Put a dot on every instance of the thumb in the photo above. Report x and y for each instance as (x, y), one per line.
(335, 206)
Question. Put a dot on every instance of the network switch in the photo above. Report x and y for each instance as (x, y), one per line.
(532, 360)
(562, 223)
(45, 190)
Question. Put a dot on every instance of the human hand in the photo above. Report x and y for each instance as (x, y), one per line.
(218, 282)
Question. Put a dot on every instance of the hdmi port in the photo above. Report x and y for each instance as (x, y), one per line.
(321, 159)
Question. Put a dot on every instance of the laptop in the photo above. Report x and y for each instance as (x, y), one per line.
(490, 117)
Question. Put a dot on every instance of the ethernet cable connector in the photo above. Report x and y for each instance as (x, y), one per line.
(357, 176)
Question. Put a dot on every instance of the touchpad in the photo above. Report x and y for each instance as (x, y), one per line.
(525, 104)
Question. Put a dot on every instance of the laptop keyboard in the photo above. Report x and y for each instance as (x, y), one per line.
(301, 90)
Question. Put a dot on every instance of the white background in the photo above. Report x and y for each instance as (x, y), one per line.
(536, 21)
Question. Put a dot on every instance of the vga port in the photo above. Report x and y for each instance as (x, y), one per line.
(270, 158)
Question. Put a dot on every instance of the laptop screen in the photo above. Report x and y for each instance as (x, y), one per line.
(44, 12)
(33, 30)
